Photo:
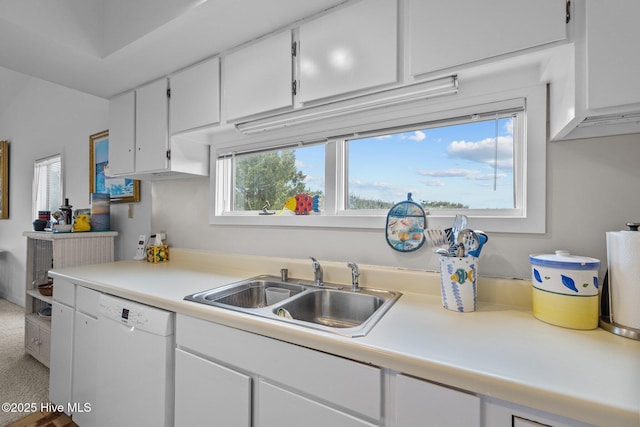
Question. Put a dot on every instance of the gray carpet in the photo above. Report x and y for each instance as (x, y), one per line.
(23, 380)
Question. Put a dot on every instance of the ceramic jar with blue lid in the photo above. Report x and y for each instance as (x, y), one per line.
(565, 289)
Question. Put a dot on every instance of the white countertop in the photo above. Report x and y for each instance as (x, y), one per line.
(500, 351)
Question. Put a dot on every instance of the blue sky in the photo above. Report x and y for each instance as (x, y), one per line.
(454, 163)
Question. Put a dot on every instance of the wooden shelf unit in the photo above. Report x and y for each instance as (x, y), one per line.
(47, 250)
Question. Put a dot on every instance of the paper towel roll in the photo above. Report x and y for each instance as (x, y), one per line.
(623, 254)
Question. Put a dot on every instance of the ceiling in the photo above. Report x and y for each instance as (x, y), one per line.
(105, 47)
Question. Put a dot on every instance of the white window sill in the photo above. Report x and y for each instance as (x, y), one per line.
(510, 224)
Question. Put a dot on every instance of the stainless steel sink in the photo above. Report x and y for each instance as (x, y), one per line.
(334, 308)
(330, 308)
(251, 293)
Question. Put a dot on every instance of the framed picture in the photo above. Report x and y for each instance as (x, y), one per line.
(4, 180)
(121, 190)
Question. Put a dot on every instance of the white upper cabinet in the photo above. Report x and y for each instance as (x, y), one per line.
(351, 49)
(152, 135)
(122, 134)
(258, 78)
(447, 34)
(139, 144)
(195, 97)
(612, 35)
(594, 88)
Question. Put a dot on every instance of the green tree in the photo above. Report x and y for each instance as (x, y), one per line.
(271, 176)
(357, 202)
(442, 204)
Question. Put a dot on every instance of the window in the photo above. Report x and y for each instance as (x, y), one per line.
(268, 179)
(47, 184)
(485, 159)
(467, 165)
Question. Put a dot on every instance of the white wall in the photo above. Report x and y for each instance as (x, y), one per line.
(44, 119)
(591, 188)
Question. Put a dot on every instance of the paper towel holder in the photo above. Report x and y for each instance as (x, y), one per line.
(606, 307)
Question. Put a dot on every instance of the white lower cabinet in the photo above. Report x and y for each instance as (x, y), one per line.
(278, 407)
(420, 403)
(83, 389)
(206, 391)
(61, 354)
(229, 377)
(292, 385)
(37, 339)
(72, 377)
(499, 413)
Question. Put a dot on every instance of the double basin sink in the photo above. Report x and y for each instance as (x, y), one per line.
(331, 308)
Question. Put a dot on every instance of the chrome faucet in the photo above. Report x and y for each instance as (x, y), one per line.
(355, 273)
(318, 274)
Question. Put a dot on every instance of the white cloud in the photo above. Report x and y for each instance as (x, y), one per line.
(470, 174)
(434, 183)
(484, 151)
(418, 136)
(447, 173)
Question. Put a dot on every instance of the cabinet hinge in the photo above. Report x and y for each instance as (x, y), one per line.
(294, 87)
(568, 11)
(294, 48)
(168, 154)
(168, 92)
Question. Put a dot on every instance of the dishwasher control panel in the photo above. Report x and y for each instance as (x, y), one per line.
(136, 315)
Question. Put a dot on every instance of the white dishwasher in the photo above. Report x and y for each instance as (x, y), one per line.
(135, 364)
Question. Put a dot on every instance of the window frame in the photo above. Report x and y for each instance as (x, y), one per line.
(42, 163)
(528, 217)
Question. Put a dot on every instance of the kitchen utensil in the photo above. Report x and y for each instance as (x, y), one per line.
(482, 239)
(467, 241)
(437, 239)
(459, 223)
(565, 289)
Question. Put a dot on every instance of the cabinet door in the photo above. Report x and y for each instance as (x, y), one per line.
(498, 413)
(282, 408)
(32, 336)
(258, 78)
(333, 380)
(446, 34)
(83, 390)
(421, 403)
(612, 67)
(152, 136)
(195, 97)
(210, 394)
(61, 354)
(122, 133)
(351, 49)
(523, 422)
